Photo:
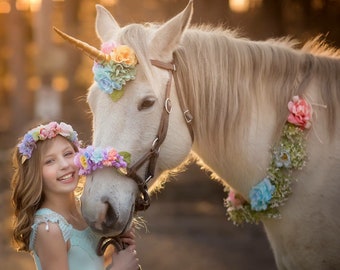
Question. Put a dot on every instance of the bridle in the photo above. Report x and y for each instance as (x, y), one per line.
(143, 200)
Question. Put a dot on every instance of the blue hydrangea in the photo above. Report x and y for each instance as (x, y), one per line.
(103, 76)
(261, 194)
(113, 76)
(97, 156)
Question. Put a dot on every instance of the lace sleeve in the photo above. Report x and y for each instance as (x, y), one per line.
(45, 216)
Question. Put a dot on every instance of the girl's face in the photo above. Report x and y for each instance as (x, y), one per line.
(59, 173)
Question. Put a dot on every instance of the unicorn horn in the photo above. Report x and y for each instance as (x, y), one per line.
(91, 51)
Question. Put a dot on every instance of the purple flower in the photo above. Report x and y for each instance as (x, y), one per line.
(261, 194)
(92, 158)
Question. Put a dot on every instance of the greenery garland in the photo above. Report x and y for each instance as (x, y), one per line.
(273, 191)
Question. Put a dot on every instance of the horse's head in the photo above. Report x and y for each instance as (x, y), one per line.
(134, 122)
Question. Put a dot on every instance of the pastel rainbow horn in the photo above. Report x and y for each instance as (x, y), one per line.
(92, 52)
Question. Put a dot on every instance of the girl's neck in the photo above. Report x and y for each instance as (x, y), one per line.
(68, 207)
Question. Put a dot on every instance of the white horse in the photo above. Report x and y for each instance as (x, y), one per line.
(237, 92)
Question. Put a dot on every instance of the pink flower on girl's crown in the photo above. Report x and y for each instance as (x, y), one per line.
(300, 112)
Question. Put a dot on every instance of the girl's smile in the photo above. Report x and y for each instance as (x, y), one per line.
(67, 178)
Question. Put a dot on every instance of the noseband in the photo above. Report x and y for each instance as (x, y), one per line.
(143, 200)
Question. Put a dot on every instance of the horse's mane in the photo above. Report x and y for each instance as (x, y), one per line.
(242, 73)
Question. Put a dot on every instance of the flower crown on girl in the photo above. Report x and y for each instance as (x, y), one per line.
(44, 132)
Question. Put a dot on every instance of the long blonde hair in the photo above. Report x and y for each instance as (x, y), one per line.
(27, 193)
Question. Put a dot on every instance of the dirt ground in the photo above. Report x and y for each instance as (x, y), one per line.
(186, 229)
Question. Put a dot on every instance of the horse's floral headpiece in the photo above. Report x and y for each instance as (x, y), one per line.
(274, 189)
(114, 64)
(92, 158)
(44, 132)
(120, 68)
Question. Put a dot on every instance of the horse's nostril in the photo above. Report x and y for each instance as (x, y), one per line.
(110, 217)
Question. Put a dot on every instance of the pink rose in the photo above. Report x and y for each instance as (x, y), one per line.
(110, 158)
(48, 131)
(235, 199)
(300, 112)
(107, 47)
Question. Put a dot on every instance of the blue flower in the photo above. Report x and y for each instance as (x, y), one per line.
(103, 76)
(261, 194)
(97, 155)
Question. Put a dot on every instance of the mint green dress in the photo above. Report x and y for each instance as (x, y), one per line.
(82, 253)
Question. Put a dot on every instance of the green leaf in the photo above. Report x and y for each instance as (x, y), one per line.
(116, 95)
(126, 156)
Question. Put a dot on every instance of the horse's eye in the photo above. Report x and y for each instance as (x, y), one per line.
(146, 103)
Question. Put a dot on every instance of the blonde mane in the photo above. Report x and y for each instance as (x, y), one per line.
(242, 74)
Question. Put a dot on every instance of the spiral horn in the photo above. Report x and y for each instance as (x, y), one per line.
(89, 50)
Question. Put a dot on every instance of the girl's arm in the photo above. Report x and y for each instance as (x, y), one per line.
(51, 248)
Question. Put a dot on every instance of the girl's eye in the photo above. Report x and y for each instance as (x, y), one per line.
(49, 161)
(68, 154)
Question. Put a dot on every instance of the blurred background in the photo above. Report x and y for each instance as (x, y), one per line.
(42, 79)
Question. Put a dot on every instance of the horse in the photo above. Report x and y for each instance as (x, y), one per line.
(205, 94)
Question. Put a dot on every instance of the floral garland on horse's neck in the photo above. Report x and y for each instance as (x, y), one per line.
(289, 154)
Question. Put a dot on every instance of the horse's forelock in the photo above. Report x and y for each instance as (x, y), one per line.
(138, 36)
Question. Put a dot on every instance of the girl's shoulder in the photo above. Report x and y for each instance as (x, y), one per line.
(46, 216)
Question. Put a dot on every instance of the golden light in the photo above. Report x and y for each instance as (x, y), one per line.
(33, 83)
(239, 6)
(32, 5)
(108, 3)
(5, 7)
(35, 5)
(22, 5)
(60, 83)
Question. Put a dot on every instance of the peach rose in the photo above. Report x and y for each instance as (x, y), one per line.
(124, 54)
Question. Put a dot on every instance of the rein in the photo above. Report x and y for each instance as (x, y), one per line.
(143, 201)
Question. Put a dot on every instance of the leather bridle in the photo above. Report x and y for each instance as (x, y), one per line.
(143, 200)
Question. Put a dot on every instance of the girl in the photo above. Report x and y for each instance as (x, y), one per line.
(47, 220)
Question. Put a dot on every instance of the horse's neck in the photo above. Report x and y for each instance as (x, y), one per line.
(224, 105)
(243, 164)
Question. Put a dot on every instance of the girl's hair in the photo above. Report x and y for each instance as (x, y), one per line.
(27, 192)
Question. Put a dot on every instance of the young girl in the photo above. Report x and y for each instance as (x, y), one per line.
(47, 220)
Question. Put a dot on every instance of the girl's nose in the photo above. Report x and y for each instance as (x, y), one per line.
(64, 163)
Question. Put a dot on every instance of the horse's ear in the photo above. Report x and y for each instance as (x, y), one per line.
(168, 36)
(106, 25)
